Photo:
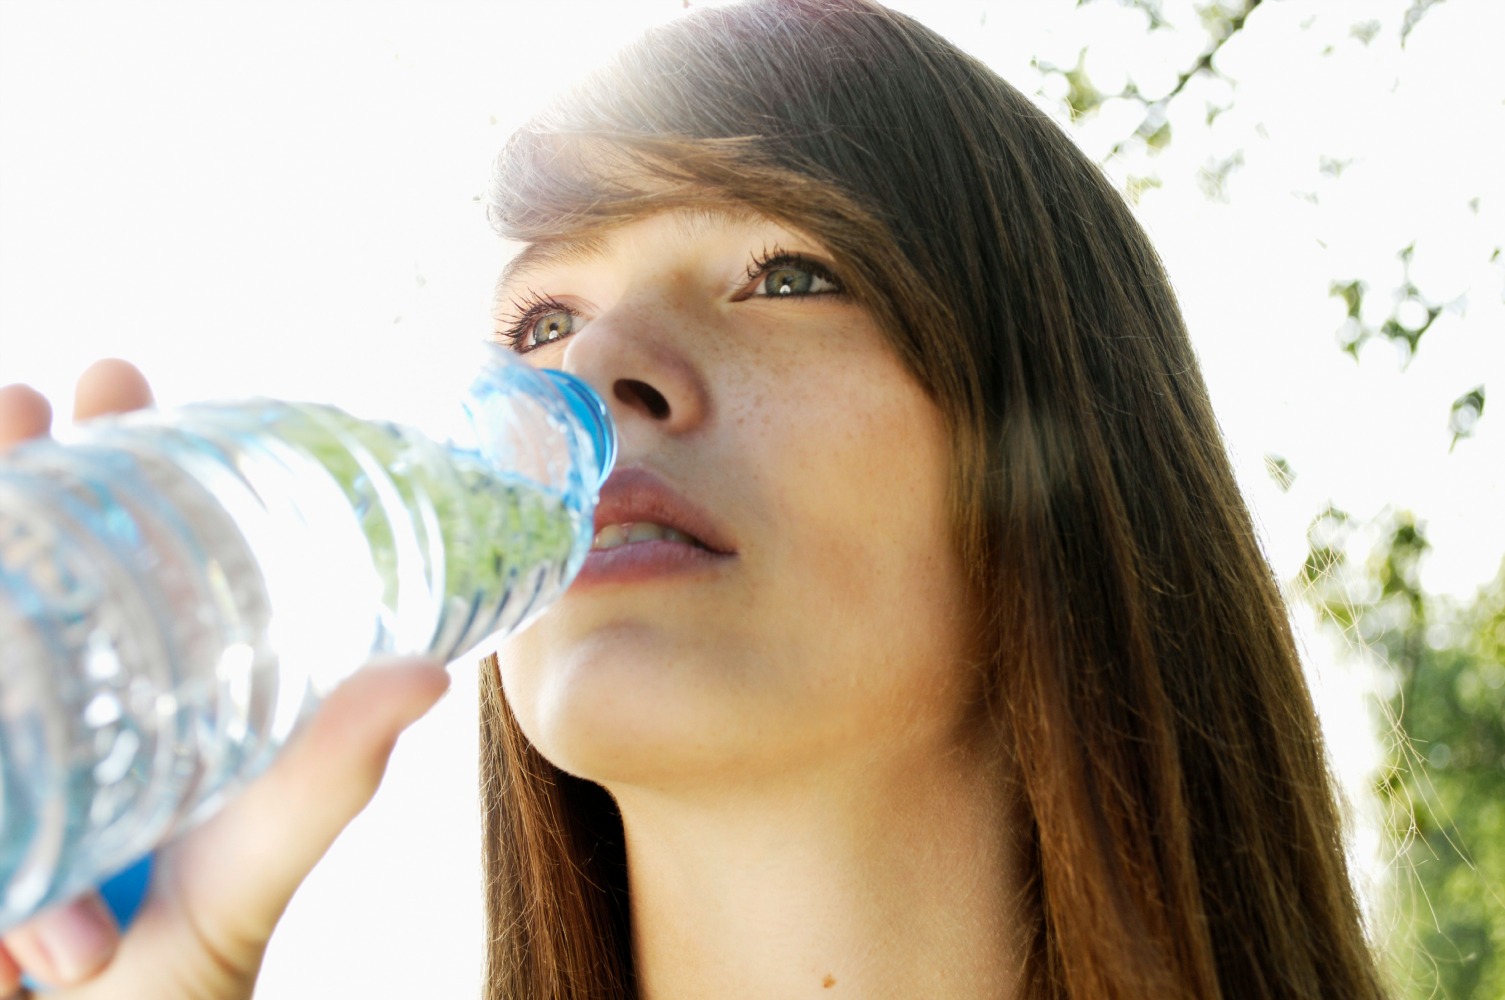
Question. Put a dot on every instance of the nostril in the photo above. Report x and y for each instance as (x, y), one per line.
(635, 393)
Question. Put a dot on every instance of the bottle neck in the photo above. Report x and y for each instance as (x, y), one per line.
(590, 411)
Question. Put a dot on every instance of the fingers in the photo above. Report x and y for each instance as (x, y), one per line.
(10, 974)
(24, 413)
(331, 771)
(110, 386)
(238, 874)
(65, 945)
(218, 892)
(71, 942)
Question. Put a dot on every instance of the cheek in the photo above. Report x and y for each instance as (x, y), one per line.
(860, 459)
(857, 471)
(841, 626)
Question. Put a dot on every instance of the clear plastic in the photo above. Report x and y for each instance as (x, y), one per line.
(179, 591)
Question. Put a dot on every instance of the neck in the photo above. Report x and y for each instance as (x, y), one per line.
(863, 885)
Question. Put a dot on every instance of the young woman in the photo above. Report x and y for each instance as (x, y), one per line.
(926, 650)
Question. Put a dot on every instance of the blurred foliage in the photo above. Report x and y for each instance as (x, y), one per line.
(1220, 20)
(1465, 414)
(1411, 312)
(1280, 471)
(1443, 787)
(1414, 14)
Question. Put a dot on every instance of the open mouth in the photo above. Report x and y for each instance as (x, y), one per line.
(637, 506)
(614, 536)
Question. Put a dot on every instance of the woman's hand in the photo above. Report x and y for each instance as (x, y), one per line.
(217, 892)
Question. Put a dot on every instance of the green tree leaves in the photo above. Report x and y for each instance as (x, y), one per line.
(1443, 788)
(1465, 414)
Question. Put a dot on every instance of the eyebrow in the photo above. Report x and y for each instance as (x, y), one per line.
(548, 253)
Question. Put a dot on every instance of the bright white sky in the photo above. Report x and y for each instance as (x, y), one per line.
(276, 198)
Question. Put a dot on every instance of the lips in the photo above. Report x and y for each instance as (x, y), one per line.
(635, 498)
(648, 534)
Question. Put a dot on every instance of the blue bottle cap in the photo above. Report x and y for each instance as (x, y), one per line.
(124, 892)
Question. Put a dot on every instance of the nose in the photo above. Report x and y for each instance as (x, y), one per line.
(642, 370)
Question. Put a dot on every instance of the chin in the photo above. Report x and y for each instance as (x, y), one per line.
(616, 713)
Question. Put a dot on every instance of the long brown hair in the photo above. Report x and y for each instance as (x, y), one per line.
(1179, 815)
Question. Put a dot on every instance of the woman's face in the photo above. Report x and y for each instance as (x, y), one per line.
(773, 589)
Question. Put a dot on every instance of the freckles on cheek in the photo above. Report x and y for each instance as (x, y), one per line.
(848, 455)
(862, 503)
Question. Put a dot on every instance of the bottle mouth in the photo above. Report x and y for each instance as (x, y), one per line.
(594, 419)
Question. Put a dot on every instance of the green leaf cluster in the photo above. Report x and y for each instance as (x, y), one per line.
(1443, 788)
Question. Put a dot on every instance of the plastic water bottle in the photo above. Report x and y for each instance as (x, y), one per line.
(179, 591)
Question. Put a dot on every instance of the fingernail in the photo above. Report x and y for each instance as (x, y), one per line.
(78, 938)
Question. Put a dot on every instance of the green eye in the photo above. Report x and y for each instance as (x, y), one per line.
(788, 275)
(551, 326)
(787, 281)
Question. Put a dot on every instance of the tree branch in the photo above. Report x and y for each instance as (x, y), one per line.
(1154, 116)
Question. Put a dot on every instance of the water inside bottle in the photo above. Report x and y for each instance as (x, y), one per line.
(172, 613)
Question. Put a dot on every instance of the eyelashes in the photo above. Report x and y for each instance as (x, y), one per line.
(781, 274)
(541, 319)
(536, 319)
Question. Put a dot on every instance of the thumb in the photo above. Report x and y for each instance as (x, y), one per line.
(236, 875)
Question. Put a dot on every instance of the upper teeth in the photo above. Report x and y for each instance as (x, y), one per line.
(614, 535)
